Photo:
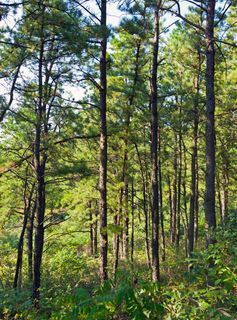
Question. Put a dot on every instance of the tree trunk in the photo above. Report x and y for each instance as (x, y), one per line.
(220, 198)
(103, 146)
(147, 246)
(194, 167)
(126, 221)
(225, 187)
(179, 176)
(124, 209)
(185, 216)
(20, 251)
(210, 122)
(95, 228)
(39, 230)
(196, 205)
(117, 218)
(27, 207)
(91, 229)
(174, 199)
(170, 207)
(30, 231)
(154, 153)
(40, 158)
(161, 196)
(132, 222)
(179, 197)
(129, 112)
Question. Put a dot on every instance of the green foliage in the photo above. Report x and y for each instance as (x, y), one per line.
(14, 304)
(70, 94)
(109, 302)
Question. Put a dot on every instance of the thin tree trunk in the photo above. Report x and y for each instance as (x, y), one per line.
(103, 146)
(196, 203)
(194, 167)
(147, 246)
(132, 222)
(118, 216)
(27, 207)
(30, 232)
(225, 189)
(170, 207)
(210, 213)
(126, 221)
(91, 229)
(185, 219)
(161, 196)
(179, 177)
(148, 198)
(174, 199)
(20, 251)
(39, 230)
(40, 158)
(219, 198)
(117, 219)
(95, 228)
(125, 216)
(154, 152)
(125, 230)
(179, 198)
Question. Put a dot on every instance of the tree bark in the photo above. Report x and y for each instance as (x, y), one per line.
(154, 152)
(125, 231)
(174, 198)
(210, 213)
(147, 242)
(220, 198)
(103, 146)
(126, 142)
(91, 228)
(170, 206)
(225, 179)
(161, 195)
(95, 228)
(132, 222)
(39, 229)
(30, 232)
(27, 207)
(40, 158)
(194, 166)
(196, 203)
(117, 218)
(185, 215)
(126, 220)
(179, 175)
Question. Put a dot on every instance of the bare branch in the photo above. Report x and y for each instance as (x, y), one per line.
(197, 5)
(234, 45)
(77, 138)
(7, 107)
(223, 13)
(54, 223)
(88, 11)
(178, 14)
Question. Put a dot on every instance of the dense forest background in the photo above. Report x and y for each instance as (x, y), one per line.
(118, 159)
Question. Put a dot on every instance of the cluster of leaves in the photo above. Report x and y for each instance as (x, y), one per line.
(126, 301)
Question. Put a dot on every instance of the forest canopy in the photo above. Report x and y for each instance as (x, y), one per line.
(118, 157)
